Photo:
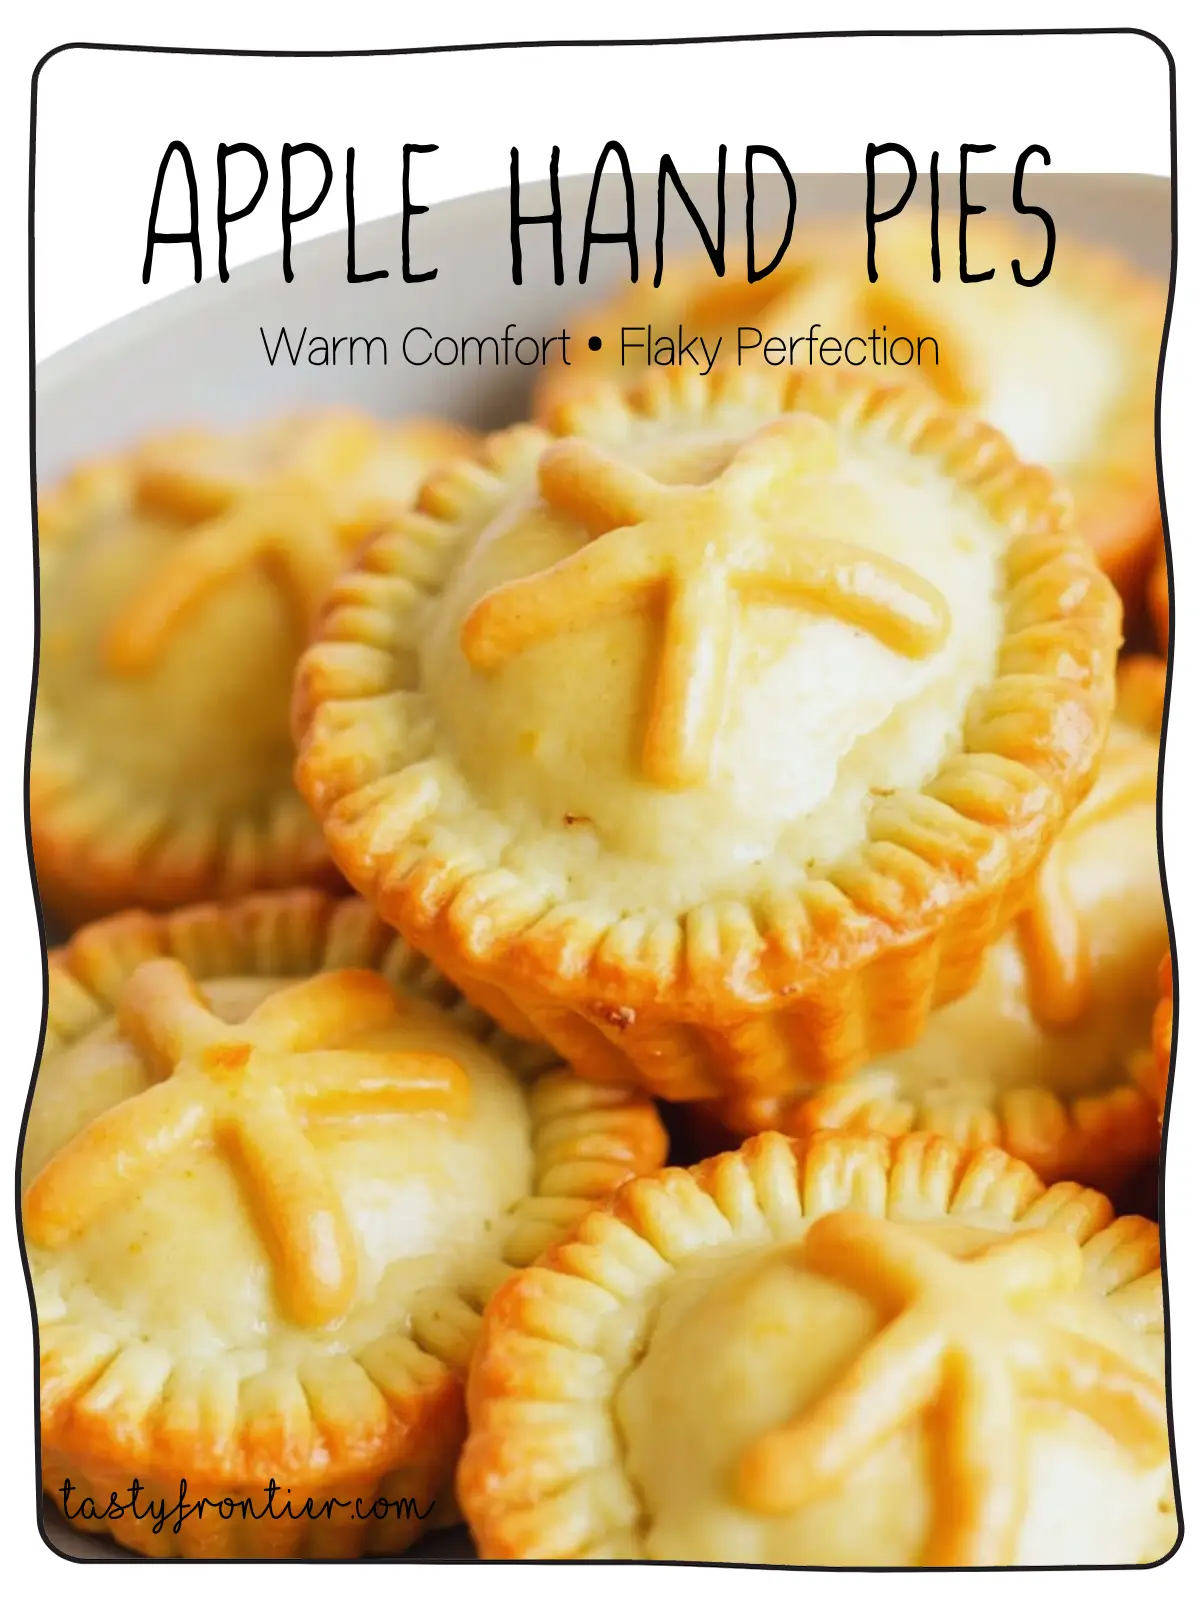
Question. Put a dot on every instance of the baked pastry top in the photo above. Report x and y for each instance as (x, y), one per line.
(1066, 369)
(786, 560)
(1043, 1055)
(179, 582)
(845, 1352)
(721, 691)
(272, 1170)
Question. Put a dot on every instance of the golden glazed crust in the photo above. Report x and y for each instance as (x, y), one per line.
(1044, 1056)
(1109, 310)
(178, 585)
(320, 1355)
(590, 1365)
(732, 989)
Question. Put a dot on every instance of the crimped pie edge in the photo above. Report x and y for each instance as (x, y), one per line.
(88, 861)
(79, 872)
(1100, 1138)
(542, 1474)
(417, 1376)
(934, 876)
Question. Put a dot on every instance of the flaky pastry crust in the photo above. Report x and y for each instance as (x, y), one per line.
(561, 1395)
(332, 1399)
(728, 992)
(178, 585)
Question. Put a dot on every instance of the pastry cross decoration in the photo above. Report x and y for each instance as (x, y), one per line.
(699, 553)
(248, 1089)
(286, 520)
(961, 1346)
(1050, 929)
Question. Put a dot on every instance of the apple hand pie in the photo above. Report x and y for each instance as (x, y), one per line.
(842, 1352)
(273, 1169)
(716, 737)
(179, 583)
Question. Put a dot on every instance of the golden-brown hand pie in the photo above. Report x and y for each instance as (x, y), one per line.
(178, 585)
(842, 1353)
(273, 1168)
(716, 739)
(1066, 369)
(1044, 1055)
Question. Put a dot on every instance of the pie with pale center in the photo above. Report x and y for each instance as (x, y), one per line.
(843, 1352)
(716, 736)
(1066, 369)
(273, 1168)
(179, 583)
(1044, 1056)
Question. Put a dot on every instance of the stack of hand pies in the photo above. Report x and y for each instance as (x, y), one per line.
(432, 812)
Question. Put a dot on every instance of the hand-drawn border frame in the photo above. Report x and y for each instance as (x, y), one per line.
(592, 44)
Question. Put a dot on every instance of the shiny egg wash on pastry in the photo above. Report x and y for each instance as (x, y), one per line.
(1066, 369)
(178, 585)
(712, 654)
(663, 736)
(845, 1352)
(273, 1168)
(1044, 1055)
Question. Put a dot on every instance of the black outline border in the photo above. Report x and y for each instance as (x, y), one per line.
(585, 44)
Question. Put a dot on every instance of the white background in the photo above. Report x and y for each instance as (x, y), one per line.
(1098, 104)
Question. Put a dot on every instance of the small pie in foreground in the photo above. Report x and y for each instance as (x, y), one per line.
(715, 738)
(1044, 1056)
(1067, 369)
(179, 582)
(846, 1352)
(272, 1171)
